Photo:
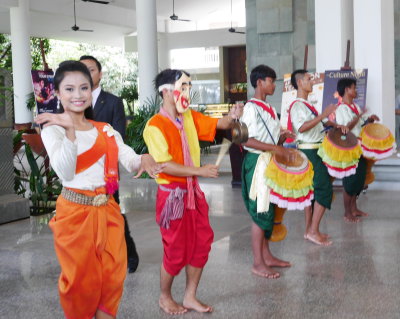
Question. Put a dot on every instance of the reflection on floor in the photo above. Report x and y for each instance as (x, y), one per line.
(357, 277)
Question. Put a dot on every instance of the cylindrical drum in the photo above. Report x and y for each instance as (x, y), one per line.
(340, 153)
(377, 142)
(291, 181)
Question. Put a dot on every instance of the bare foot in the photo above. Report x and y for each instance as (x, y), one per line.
(275, 262)
(351, 219)
(318, 240)
(323, 235)
(170, 306)
(265, 272)
(359, 213)
(196, 305)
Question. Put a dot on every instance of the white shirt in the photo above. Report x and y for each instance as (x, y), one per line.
(95, 95)
(344, 115)
(63, 157)
(253, 116)
(299, 114)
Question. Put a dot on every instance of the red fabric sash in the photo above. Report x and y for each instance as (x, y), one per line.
(264, 106)
(104, 145)
(353, 108)
(289, 122)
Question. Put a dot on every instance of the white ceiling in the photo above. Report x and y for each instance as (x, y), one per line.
(53, 18)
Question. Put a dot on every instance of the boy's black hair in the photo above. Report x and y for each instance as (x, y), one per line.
(260, 72)
(296, 75)
(345, 83)
(168, 76)
(72, 66)
(89, 57)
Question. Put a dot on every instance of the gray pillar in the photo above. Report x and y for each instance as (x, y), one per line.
(331, 35)
(146, 21)
(374, 50)
(21, 56)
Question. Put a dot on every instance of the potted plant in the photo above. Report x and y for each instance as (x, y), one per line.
(33, 176)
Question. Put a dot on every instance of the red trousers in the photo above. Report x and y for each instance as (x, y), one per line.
(90, 246)
(188, 240)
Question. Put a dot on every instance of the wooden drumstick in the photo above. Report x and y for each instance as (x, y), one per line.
(224, 148)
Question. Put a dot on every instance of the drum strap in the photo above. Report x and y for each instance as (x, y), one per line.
(272, 138)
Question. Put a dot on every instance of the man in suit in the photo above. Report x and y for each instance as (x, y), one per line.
(110, 109)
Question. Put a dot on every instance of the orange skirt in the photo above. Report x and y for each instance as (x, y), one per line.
(90, 246)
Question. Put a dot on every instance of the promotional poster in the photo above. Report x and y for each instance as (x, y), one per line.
(330, 86)
(43, 88)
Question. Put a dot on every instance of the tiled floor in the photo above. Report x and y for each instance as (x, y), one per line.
(357, 277)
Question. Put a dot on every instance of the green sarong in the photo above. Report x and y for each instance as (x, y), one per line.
(264, 220)
(354, 184)
(322, 181)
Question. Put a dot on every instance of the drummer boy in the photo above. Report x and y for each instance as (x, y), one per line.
(350, 114)
(309, 125)
(265, 138)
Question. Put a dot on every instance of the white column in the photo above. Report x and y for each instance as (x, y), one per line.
(374, 50)
(163, 51)
(21, 60)
(146, 21)
(333, 27)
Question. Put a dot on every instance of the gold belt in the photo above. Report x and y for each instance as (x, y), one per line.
(98, 200)
(308, 146)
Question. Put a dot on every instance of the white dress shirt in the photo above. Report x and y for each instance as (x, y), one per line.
(95, 95)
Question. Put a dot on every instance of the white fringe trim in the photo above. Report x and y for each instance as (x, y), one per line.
(341, 174)
(377, 156)
(290, 205)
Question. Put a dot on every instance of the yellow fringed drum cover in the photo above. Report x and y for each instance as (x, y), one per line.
(376, 136)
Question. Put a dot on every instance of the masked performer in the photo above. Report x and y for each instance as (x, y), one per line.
(88, 227)
(172, 137)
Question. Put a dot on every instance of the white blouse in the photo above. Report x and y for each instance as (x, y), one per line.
(63, 157)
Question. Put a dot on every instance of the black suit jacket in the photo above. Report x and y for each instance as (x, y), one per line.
(110, 109)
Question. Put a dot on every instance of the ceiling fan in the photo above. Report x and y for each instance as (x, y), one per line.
(75, 27)
(174, 17)
(232, 29)
(97, 1)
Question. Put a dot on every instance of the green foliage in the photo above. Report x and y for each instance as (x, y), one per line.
(41, 182)
(31, 102)
(37, 63)
(119, 68)
(130, 94)
(134, 131)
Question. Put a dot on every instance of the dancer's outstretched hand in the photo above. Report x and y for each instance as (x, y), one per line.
(150, 166)
(236, 111)
(208, 170)
(61, 119)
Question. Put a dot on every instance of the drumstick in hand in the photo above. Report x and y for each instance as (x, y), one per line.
(222, 151)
